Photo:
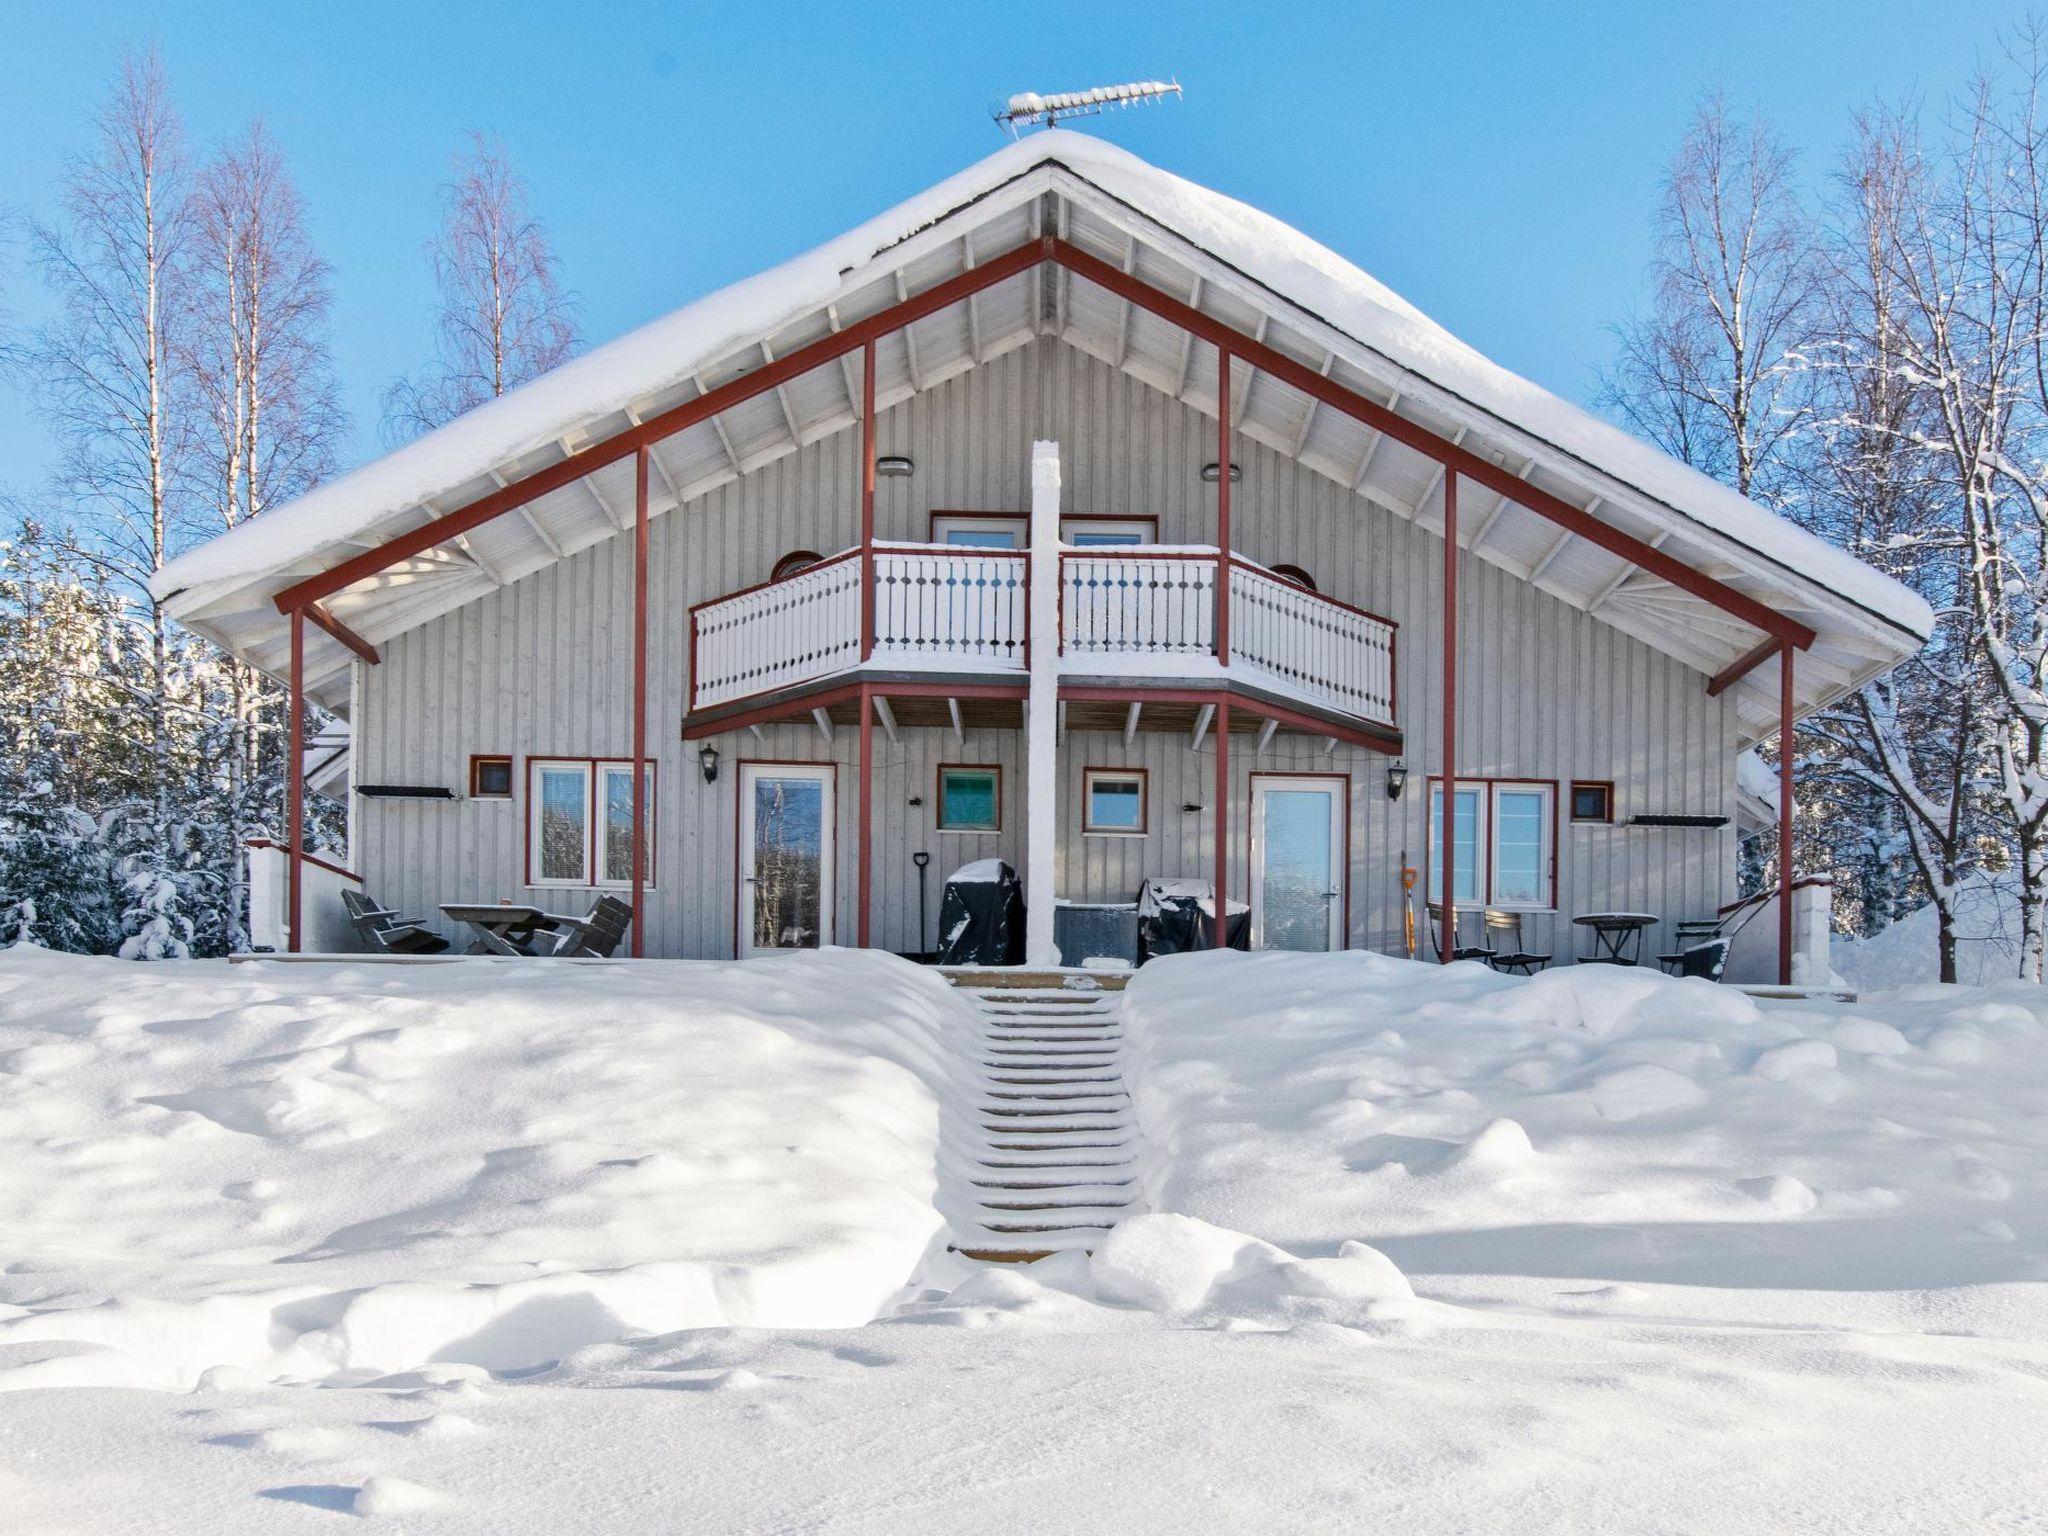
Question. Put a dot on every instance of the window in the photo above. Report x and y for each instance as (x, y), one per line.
(490, 778)
(970, 798)
(796, 560)
(1504, 835)
(995, 530)
(1108, 532)
(1295, 574)
(580, 822)
(1012, 530)
(1113, 802)
(1593, 800)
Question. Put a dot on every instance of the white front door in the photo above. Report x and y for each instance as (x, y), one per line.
(1297, 863)
(786, 856)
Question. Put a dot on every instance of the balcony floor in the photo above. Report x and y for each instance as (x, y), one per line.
(924, 699)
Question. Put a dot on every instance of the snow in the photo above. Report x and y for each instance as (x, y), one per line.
(1987, 941)
(1401, 1264)
(320, 1172)
(658, 356)
(980, 872)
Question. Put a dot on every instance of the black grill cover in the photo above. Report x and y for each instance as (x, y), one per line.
(1173, 919)
(981, 916)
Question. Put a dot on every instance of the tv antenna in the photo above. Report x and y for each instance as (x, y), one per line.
(1028, 109)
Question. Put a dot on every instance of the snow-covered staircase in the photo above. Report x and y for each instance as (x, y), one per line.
(1052, 1165)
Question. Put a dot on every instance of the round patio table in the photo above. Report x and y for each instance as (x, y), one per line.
(1617, 936)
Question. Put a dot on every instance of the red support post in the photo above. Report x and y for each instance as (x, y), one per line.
(639, 699)
(1785, 712)
(867, 526)
(1222, 509)
(1447, 938)
(1222, 728)
(295, 791)
(865, 869)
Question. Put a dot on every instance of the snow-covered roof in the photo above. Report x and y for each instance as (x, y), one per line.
(1234, 263)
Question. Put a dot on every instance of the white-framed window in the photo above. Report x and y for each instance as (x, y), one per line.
(1504, 834)
(1001, 530)
(579, 822)
(1107, 532)
(970, 797)
(1114, 802)
(979, 532)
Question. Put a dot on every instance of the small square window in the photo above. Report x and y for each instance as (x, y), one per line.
(1113, 801)
(490, 778)
(970, 799)
(1592, 800)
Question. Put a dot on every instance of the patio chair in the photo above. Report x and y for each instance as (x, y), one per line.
(1436, 935)
(384, 930)
(1691, 932)
(1706, 960)
(1513, 959)
(595, 936)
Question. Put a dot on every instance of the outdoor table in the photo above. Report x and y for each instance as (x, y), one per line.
(500, 929)
(1617, 936)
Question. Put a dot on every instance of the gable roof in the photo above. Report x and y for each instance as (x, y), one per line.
(1231, 262)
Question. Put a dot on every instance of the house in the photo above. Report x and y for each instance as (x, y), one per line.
(1068, 514)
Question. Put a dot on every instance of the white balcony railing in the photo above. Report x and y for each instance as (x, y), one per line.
(1149, 612)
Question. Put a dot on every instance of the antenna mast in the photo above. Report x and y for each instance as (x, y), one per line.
(1028, 109)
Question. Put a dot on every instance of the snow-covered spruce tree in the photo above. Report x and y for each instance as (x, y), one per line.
(503, 316)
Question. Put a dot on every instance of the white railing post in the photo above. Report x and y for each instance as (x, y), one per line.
(1041, 712)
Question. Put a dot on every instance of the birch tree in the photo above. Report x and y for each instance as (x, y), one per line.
(104, 375)
(503, 316)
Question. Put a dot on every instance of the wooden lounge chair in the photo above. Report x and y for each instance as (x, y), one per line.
(1506, 954)
(596, 935)
(384, 930)
(1436, 935)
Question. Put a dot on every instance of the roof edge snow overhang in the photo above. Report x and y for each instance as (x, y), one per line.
(1055, 205)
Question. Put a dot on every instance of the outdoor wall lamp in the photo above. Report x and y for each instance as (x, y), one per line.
(707, 757)
(1191, 809)
(894, 466)
(1213, 472)
(1397, 780)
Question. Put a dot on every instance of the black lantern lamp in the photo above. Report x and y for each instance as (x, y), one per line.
(707, 758)
(1397, 780)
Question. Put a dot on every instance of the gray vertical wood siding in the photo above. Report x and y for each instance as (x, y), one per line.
(542, 668)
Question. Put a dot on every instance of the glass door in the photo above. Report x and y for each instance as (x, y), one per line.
(786, 856)
(1297, 862)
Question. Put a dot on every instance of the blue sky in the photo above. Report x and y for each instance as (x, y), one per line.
(1494, 162)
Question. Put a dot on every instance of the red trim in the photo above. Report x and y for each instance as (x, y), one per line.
(343, 633)
(865, 850)
(1785, 753)
(830, 876)
(295, 788)
(1455, 459)
(1144, 778)
(1344, 853)
(939, 798)
(313, 859)
(1223, 557)
(1798, 885)
(646, 433)
(795, 563)
(595, 824)
(1590, 821)
(639, 699)
(804, 703)
(1742, 666)
(867, 526)
(1448, 939)
(1221, 726)
(1432, 781)
(478, 758)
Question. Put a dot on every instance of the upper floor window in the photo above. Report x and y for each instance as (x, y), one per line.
(1012, 530)
(796, 560)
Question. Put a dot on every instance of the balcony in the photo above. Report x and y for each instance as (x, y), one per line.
(1128, 614)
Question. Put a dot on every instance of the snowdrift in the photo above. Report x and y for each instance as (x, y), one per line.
(326, 1173)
